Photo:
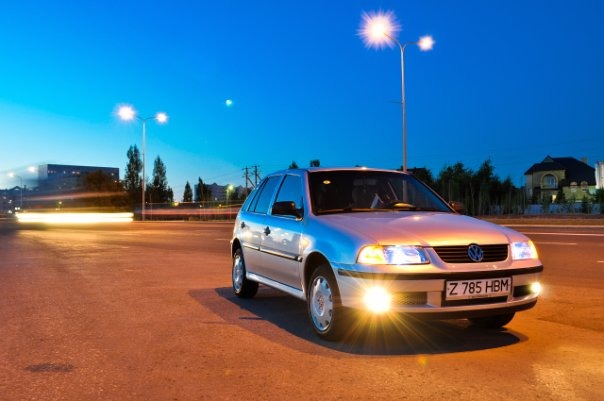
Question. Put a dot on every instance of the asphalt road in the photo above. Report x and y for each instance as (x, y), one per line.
(144, 311)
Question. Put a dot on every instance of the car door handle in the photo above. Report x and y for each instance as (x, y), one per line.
(267, 231)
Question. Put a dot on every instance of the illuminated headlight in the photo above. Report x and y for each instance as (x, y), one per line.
(524, 250)
(377, 300)
(392, 255)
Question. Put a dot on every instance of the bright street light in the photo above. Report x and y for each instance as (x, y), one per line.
(127, 113)
(378, 30)
(229, 188)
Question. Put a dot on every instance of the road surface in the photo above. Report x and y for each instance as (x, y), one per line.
(144, 311)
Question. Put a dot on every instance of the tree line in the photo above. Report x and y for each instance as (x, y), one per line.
(104, 192)
(482, 192)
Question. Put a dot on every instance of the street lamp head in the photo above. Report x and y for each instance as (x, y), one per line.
(379, 28)
(426, 43)
(161, 118)
(126, 113)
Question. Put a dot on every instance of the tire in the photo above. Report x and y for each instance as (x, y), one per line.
(242, 287)
(328, 317)
(492, 322)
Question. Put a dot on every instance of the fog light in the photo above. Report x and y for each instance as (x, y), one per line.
(536, 288)
(377, 300)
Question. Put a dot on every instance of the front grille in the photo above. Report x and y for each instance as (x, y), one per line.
(410, 298)
(459, 254)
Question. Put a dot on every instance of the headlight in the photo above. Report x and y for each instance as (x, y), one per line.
(524, 250)
(392, 255)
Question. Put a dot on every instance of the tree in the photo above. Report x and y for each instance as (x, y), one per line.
(103, 191)
(293, 165)
(454, 183)
(202, 191)
(315, 163)
(188, 194)
(485, 181)
(132, 180)
(159, 191)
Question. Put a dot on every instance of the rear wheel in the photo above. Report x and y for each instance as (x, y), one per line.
(328, 317)
(242, 287)
(492, 322)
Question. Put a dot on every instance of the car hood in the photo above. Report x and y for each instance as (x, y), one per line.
(421, 228)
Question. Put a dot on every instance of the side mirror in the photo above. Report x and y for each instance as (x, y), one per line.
(458, 207)
(286, 208)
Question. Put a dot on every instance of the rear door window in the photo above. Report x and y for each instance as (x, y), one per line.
(262, 201)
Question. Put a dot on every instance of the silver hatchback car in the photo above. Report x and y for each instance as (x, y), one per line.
(356, 241)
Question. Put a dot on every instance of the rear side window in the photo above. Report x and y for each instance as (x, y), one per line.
(262, 201)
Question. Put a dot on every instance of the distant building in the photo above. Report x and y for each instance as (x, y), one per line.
(575, 178)
(11, 200)
(600, 175)
(62, 178)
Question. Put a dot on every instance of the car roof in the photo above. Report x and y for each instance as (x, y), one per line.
(332, 169)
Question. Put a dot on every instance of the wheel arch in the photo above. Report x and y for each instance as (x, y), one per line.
(313, 261)
(235, 244)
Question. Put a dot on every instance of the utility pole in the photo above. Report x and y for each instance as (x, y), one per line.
(256, 176)
(248, 179)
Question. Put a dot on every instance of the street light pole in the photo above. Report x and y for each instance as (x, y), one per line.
(127, 113)
(376, 31)
(402, 47)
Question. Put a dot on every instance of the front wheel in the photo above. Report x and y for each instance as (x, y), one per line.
(492, 322)
(327, 315)
(242, 287)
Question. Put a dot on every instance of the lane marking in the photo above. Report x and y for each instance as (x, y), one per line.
(566, 234)
(556, 243)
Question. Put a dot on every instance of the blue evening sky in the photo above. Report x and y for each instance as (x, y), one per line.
(511, 80)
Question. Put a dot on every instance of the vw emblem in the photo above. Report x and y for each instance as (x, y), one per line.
(475, 253)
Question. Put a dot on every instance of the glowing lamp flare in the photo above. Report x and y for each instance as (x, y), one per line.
(126, 113)
(426, 43)
(377, 300)
(378, 28)
(161, 118)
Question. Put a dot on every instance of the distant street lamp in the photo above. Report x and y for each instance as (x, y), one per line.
(13, 175)
(377, 31)
(229, 188)
(127, 113)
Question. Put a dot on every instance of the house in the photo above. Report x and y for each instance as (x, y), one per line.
(555, 176)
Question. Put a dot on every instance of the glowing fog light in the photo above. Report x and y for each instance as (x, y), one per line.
(377, 300)
(523, 250)
(536, 288)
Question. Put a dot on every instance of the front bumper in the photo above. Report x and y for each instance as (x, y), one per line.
(424, 293)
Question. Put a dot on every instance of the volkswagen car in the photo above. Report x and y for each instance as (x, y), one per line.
(358, 241)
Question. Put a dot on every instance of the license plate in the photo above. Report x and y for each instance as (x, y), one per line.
(468, 289)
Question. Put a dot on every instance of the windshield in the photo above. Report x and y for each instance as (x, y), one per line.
(360, 190)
